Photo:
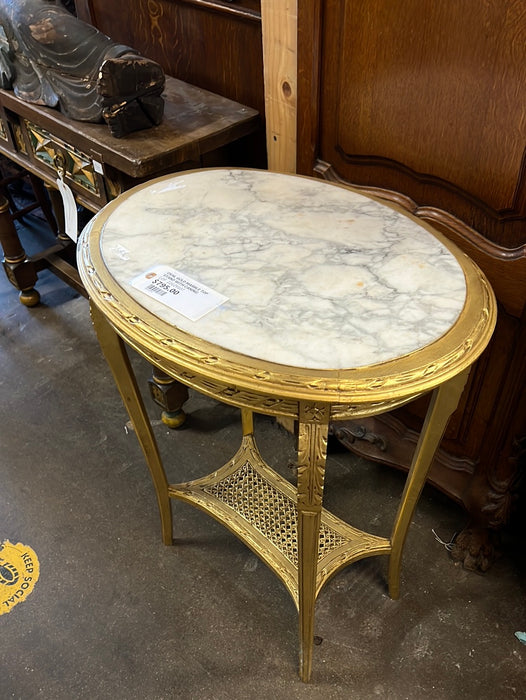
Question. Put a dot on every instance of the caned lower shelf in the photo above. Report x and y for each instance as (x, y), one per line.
(259, 507)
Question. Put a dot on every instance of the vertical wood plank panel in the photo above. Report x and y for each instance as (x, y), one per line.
(279, 29)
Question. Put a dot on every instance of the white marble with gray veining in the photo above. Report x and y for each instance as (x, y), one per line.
(317, 276)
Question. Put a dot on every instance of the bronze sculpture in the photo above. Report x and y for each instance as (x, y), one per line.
(50, 57)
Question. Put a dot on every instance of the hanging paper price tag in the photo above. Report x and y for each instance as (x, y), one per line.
(70, 209)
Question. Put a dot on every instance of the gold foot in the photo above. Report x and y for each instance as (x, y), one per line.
(173, 419)
(29, 297)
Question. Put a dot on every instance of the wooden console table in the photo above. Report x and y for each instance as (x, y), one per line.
(98, 167)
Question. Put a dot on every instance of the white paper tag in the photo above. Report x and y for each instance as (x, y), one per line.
(178, 291)
(70, 210)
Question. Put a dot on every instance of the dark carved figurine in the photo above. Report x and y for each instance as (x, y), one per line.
(50, 57)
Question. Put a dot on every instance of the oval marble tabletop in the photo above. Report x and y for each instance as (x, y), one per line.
(316, 276)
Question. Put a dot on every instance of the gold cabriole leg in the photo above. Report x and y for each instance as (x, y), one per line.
(116, 356)
(312, 454)
(444, 401)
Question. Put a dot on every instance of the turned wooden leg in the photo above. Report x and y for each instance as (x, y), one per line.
(39, 190)
(312, 453)
(57, 208)
(170, 395)
(20, 270)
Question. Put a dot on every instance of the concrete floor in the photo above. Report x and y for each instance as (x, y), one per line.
(116, 614)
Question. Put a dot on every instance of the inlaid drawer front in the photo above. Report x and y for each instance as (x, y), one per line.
(62, 157)
(3, 132)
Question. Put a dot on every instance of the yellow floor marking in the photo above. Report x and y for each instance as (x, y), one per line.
(19, 572)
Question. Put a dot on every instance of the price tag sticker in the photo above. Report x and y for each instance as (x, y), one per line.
(70, 209)
(178, 291)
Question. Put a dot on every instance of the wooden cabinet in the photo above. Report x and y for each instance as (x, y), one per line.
(196, 127)
(423, 103)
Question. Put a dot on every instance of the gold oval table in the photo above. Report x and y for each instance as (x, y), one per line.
(288, 296)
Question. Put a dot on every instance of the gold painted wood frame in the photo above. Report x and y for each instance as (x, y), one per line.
(302, 542)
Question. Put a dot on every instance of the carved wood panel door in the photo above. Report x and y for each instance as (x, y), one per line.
(424, 103)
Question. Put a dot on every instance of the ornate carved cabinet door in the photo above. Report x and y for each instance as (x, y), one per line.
(423, 103)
